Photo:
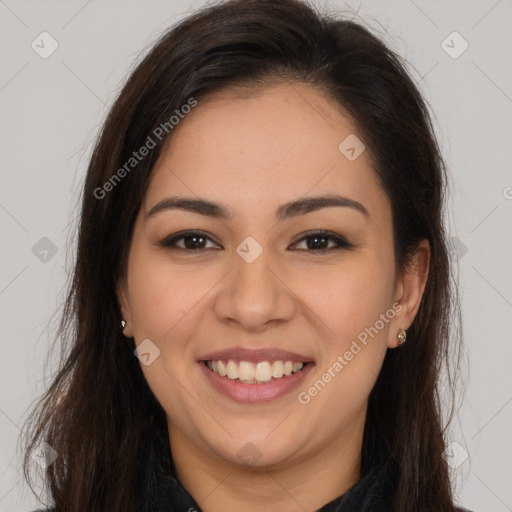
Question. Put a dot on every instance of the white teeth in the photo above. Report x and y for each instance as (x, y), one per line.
(263, 372)
(232, 369)
(277, 369)
(222, 368)
(297, 367)
(248, 372)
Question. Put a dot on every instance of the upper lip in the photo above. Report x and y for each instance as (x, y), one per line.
(255, 355)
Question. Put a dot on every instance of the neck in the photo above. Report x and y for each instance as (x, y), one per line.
(218, 485)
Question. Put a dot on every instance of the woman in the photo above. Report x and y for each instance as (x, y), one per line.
(261, 305)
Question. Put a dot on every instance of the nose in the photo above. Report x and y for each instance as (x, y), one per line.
(254, 294)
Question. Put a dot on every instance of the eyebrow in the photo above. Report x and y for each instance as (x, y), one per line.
(292, 209)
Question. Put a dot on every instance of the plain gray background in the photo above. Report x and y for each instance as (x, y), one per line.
(53, 107)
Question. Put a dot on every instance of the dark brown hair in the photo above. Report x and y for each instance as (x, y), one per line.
(99, 406)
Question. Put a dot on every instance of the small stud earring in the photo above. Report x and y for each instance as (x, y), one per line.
(402, 335)
(123, 324)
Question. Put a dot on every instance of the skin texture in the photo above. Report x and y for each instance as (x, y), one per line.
(253, 154)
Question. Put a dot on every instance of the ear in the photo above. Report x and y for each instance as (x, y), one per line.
(123, 298)
(409, 289)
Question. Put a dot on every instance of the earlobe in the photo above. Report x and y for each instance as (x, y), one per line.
(410, 291)
(124, 307)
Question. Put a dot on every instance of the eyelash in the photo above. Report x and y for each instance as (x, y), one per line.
(170, 241)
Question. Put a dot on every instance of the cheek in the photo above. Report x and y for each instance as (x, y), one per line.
(353, 307)
(353, 353)
(161, 294)
(165, 307)
(347, 299)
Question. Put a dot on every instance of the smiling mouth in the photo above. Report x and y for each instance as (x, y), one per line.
(247, 372)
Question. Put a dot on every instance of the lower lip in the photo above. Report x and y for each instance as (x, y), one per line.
(255, 393)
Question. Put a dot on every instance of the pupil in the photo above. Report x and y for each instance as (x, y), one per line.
(193, 245)
(316, 238)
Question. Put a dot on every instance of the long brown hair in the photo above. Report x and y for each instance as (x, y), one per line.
(99, 406)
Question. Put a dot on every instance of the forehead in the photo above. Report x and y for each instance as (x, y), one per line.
(260, 150)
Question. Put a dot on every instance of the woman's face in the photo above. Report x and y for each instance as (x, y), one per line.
(256, 281)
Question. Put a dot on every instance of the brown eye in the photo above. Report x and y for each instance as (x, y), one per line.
(192, 241)
(319, 242)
